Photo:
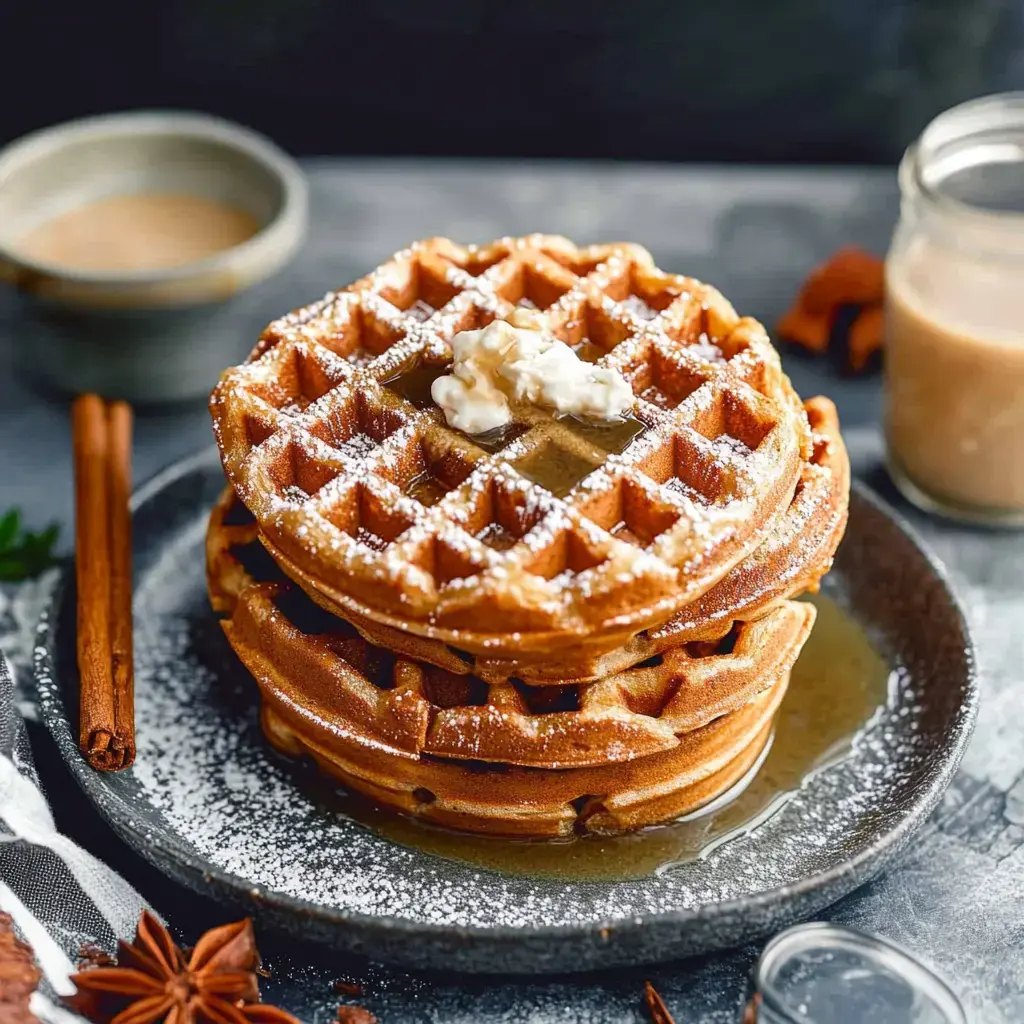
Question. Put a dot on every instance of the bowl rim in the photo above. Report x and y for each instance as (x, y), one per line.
(279, 234)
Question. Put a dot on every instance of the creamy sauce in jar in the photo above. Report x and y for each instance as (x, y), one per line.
(955, 375)
(954, 338)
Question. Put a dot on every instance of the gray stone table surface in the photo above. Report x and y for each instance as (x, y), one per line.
(957, 899)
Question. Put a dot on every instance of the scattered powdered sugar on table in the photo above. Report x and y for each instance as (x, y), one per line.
(205, 768)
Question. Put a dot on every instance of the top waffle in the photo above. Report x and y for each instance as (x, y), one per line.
(556, 532)
(791, 559)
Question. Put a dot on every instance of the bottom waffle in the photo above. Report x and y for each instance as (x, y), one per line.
(641, 746)
(514, 801)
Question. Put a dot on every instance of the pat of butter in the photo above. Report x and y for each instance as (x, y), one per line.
(518, 362)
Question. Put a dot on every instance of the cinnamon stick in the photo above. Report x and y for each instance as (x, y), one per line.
(102, 442)
(119, 427)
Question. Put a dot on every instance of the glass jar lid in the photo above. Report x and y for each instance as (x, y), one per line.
(966, 173)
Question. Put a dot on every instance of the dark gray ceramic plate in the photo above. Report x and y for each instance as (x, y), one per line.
(209, 805)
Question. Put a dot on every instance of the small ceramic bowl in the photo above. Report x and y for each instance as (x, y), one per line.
(150, 335)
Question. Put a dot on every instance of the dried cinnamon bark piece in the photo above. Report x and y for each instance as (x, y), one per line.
(656, 1006)
(851, 277)
(19, 976)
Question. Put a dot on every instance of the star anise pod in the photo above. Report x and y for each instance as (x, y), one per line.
(19, 976)
(155, 981)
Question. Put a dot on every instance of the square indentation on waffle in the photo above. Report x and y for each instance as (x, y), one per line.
(356, 331)
(300, 468)
(709, 454)
(570, 552)
(501, 512)
(509, 534)
(534, 283)
(712, 337)
(555, 467)
(525, 529)
(589, 327)
(631, 510)
(429, 466)
(737, 421)
(417, 285)
(283, 384)
(357, 423)
(642, 293)
(661, 377)
(366, 514)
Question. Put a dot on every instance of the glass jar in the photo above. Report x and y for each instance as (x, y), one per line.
(954, 376)
(826, 974)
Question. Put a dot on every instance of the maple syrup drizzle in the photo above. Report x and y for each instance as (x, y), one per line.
(837, 685)
(588, 351)
(613, 436)
(413, 382)
(426, 489)
(495, 536)
(496, 440)
(554, 468)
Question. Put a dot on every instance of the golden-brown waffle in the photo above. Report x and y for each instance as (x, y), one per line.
(557, 534)
(790, 560)
(291, 645)
(511, 801)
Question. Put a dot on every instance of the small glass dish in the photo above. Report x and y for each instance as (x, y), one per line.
(823, 973)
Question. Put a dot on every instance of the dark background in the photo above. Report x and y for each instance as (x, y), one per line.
(750, 80)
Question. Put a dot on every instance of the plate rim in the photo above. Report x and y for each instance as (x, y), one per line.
(58, 723)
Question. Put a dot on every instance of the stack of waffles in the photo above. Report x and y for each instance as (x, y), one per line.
(562, 625)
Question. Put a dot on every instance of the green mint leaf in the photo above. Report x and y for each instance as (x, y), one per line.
(9, 528)
(12, 570)
(49, 536)
(24, 554)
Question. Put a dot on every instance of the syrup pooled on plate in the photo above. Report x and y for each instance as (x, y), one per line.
(839, 683)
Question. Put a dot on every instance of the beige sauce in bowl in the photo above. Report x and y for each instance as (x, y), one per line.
(139, 232)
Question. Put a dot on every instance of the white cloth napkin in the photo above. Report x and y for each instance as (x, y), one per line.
(59, 896)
